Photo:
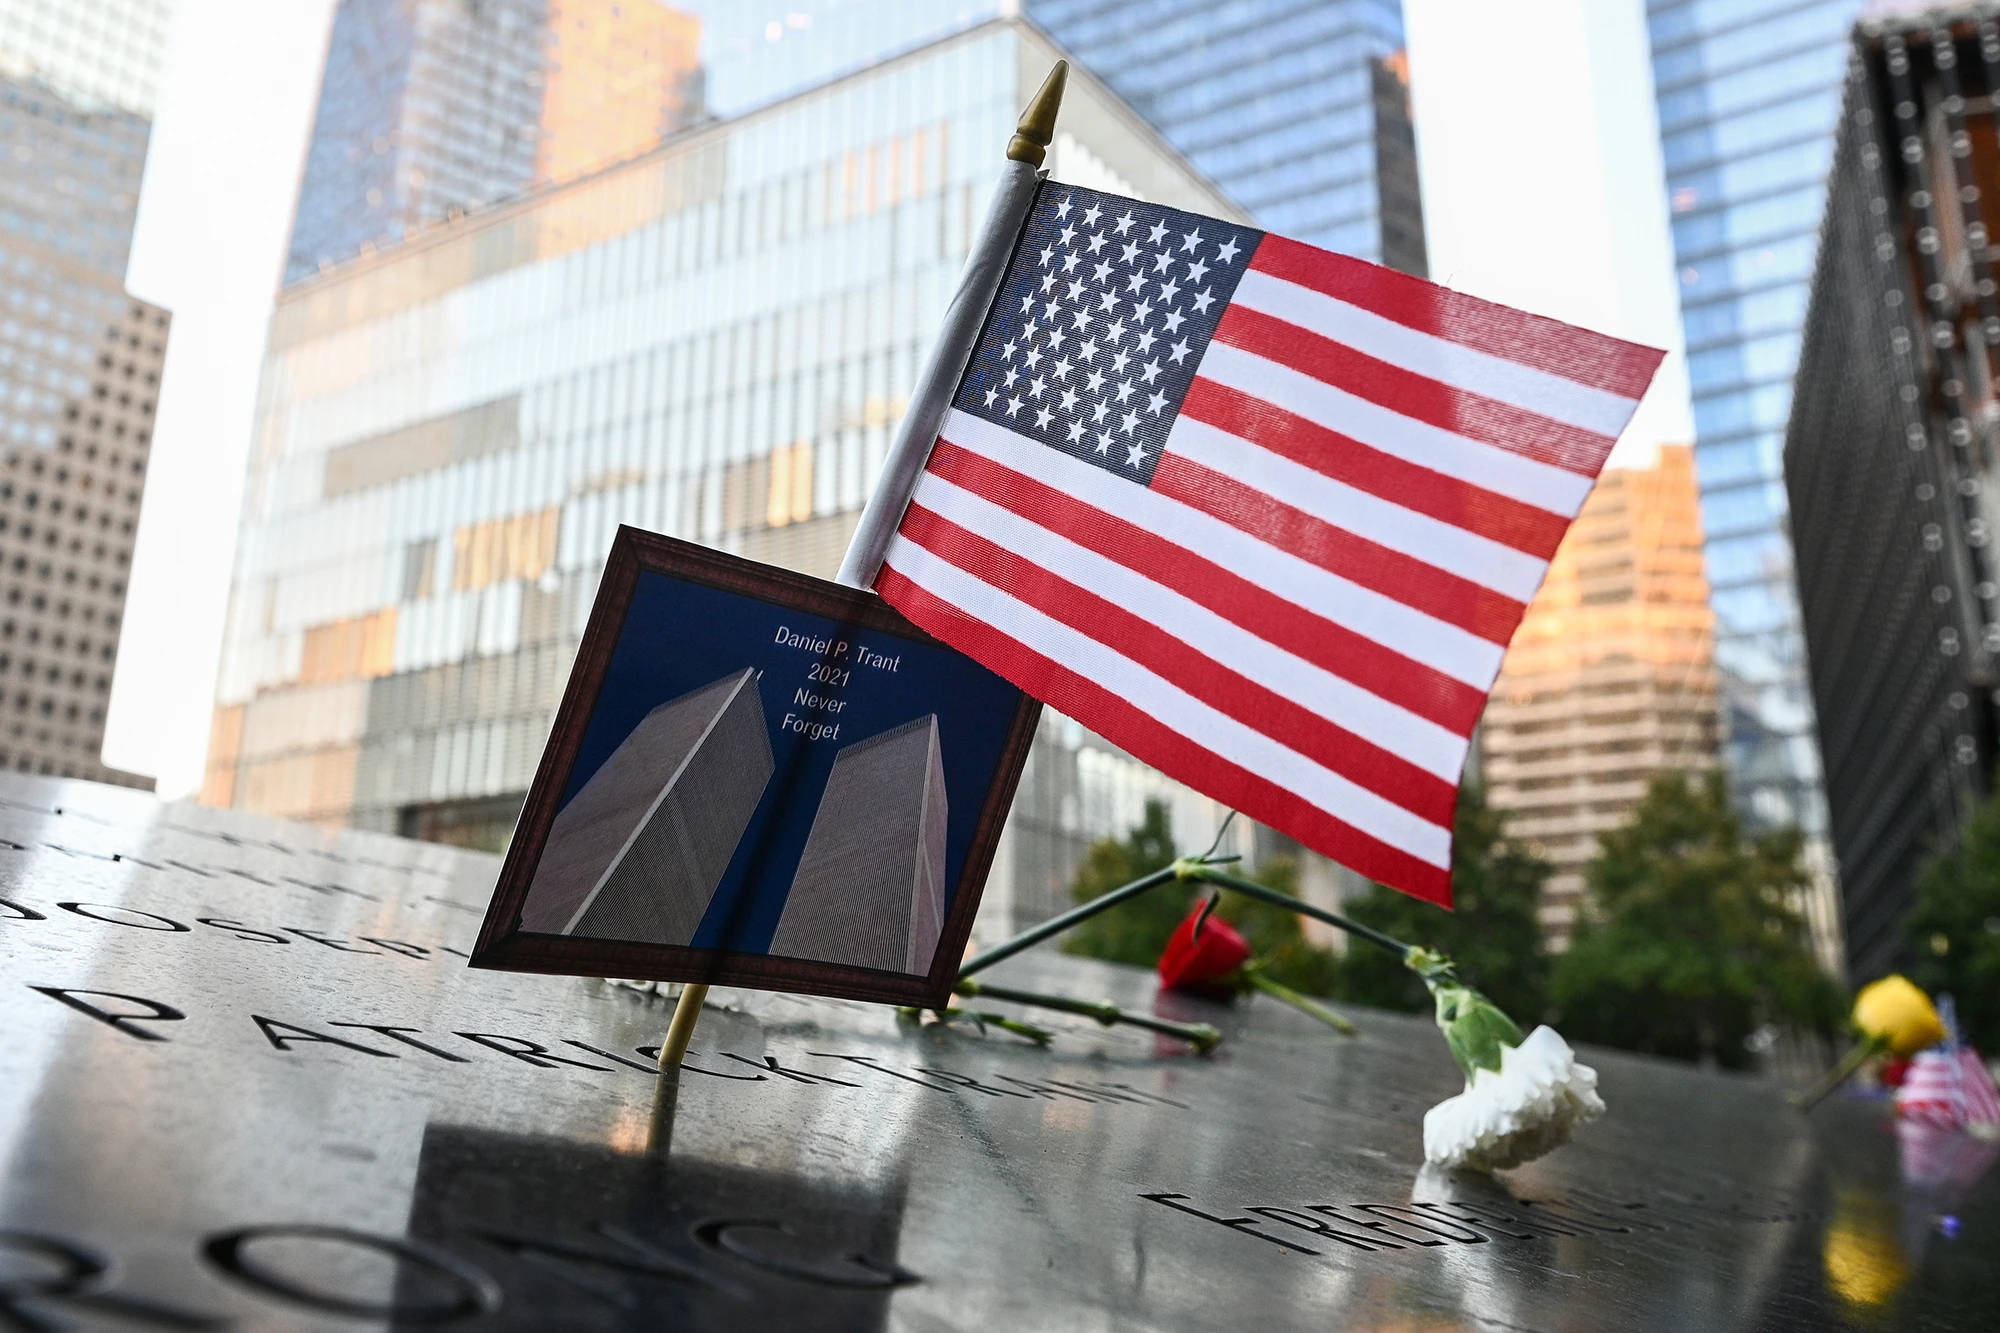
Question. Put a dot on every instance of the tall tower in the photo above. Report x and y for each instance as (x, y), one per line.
(1301, 113)
(1610, 678)
(638, 850)
(1890, 462)
(430, 107)
(1749, 97)
(870, 887)
(80, 361)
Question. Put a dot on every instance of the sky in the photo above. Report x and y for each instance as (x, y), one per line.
(215, 207)
(1538, 149)
(1542, 189)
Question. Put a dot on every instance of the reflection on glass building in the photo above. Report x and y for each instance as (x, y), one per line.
(1890, 461)
(433, 106)
(1299, 112)
(1749, 94)
(80, 364)
(712, 341)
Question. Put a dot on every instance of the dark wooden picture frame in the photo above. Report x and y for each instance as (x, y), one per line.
(504, 945)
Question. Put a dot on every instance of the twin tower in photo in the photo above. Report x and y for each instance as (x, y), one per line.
(637, 854)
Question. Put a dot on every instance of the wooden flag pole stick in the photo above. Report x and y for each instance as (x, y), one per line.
(681, 1030)
(930, 396)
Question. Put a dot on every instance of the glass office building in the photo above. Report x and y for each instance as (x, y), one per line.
(433, 106)
(711, 341)
(80, 364)
(1299, 112)
(1749, 98)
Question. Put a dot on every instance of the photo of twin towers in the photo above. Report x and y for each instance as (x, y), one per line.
(639, 851)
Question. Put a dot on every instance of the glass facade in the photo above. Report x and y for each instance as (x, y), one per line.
(711, 341)
(1749, 98)
(99, 53)
(434, 106)
(1299, 112)
(80, 364)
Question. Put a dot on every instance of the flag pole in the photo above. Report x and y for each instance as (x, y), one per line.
(963, 318)
(977, 286)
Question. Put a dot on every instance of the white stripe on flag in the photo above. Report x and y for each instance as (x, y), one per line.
(1455, 652)
(1472, 461)
(1424, 743)
(1596, 410)
(1213, 731)
(1419, 536)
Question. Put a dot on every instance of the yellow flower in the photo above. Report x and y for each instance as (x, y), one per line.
(1895, 1013)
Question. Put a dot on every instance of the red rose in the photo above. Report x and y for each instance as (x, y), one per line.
(1201, 961)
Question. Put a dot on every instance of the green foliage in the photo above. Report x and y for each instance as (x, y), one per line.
(1954, 928)
(1137, 930)
(1690, 942)
(1493, 934)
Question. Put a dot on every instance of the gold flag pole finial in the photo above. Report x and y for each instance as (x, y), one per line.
(1037, 129)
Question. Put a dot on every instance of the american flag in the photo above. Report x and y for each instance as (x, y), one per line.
(1949, 1086)
(1263, 515)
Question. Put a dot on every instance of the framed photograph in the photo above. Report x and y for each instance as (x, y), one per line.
(758, 778)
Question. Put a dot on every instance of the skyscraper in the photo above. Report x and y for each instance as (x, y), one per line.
(1300, 113)
(638, 851)
(80, 364)
(1610, 678)
(1749, 95)
(1890, 462)
(432, 106)
(711, 341)
(870, 887)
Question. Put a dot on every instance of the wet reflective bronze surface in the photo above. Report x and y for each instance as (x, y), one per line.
(247, 1081)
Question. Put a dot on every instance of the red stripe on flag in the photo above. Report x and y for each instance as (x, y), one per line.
(1154, 742)
(1368, 766)
(1525, 527)
(1601, 362)
(1362, 661)
(1413, 582)
(1418, 397)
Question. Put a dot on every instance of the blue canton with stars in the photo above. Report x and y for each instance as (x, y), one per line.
(1105, 312)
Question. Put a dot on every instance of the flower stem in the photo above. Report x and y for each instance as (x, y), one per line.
(983, 1017)
(1198, 1035)
(1305, 1004)
(1056, 925)
(1251, 889)
(1839, 1074)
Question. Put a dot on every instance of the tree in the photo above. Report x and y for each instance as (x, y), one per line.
(1137, 930)
(1954, 928)
(1493, 933)
(1690, 942)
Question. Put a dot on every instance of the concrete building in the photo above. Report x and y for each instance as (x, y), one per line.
(870, 888)
(712, 341)
(1611, 676)
(430, 107)
(638, 852)
(1890, 457)
(80, 364)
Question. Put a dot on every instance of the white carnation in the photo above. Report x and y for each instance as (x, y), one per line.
(1539, 1095)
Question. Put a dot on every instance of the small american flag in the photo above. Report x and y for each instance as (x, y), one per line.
(1263, 515)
